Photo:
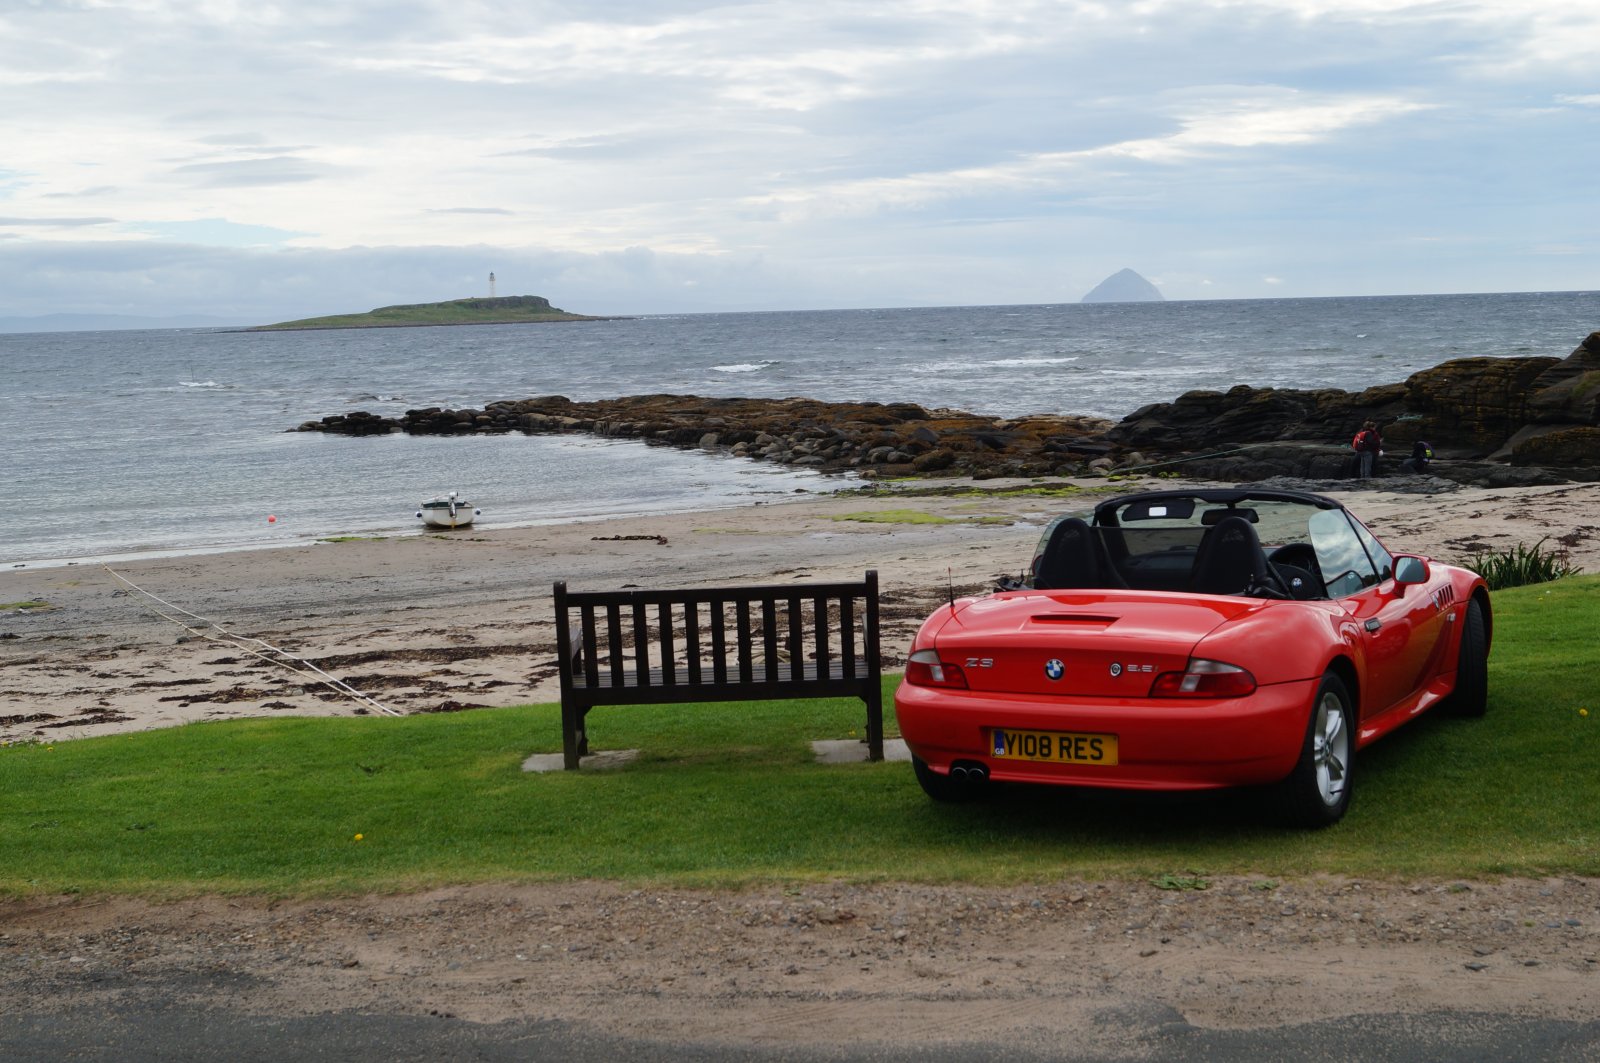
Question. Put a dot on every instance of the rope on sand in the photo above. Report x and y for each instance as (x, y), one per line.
(269, 653)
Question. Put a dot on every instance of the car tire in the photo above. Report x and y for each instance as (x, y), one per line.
(1317, 792)
(943, 787)
(1471, 695)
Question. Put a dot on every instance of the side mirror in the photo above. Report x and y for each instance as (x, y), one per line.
(1409, 570)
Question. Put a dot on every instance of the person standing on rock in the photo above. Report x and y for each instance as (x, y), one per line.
(1368, 444)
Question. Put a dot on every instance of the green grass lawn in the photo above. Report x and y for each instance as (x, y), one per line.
(727, 794)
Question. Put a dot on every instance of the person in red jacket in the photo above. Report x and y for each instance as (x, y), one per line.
(1368, 444)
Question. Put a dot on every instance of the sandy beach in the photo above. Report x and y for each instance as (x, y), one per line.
(438, 622)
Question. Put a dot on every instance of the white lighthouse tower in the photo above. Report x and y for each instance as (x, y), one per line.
(491, 285)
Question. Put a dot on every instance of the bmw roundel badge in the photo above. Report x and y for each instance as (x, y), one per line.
(1054, 668)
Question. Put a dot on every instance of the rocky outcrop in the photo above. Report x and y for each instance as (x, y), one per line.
(1485, 418)
(1202, 421)
(1495, 421)
(876, 439)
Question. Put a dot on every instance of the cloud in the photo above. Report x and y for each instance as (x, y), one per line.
(82, 193)
(53, 222)
(216, 232)
(898, 152)
(1241, 123)
(1211, 126)
(253, 173)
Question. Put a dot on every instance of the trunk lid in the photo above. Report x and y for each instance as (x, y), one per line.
(1075, 643)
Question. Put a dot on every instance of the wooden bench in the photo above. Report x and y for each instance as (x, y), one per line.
(649, 647)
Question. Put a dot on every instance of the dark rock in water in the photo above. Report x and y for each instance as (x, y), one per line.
(870, 438)
(1124, 286)
(1491, 421)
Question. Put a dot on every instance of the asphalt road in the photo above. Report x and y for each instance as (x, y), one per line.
(152, 1033)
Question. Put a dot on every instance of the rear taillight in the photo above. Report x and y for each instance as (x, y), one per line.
(924, 669)
(1204, 679)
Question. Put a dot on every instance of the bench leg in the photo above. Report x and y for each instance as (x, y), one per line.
(875, 723)
(571, 730)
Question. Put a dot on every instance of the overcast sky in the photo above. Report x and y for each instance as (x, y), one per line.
(268, 159)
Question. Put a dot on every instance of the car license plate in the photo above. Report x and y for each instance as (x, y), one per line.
(1062, 747)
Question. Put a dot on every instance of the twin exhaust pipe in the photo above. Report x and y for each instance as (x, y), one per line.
(969, 771)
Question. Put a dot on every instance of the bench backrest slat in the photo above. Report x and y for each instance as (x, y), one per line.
(614, 634)
(669, 662)
(746, 651)
(719, 641)
(847, 641)
(691, 640)
(591, 666)
(641, 646)
(792, 644)
(820, 612)
(769, 640)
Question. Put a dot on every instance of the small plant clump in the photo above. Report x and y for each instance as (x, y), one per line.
(1521, 565)
(1192, 881)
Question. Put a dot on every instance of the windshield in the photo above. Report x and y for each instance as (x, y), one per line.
(1210, 543)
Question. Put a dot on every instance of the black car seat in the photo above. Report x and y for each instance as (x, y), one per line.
(1071, 558)
(1230, 559)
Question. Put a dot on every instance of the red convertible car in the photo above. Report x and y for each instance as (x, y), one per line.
(1185, 640)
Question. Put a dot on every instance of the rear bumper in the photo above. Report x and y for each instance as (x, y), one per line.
(1163, 744)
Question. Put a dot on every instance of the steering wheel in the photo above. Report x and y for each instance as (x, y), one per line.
(1302, 584)
(1300, 555)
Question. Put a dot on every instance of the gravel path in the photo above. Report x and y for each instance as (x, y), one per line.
(1101, 966)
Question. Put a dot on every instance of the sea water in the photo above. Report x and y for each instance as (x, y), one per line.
(119, 443)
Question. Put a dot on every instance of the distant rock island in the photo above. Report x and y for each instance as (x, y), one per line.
(504, 310)
(1124, 286)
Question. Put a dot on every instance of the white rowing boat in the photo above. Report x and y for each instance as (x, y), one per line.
(447, 511)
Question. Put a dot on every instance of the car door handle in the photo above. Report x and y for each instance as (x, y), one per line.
(1373, 624)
